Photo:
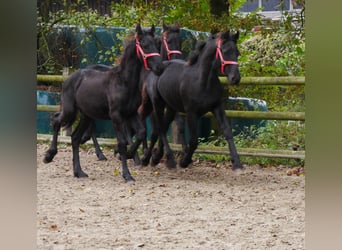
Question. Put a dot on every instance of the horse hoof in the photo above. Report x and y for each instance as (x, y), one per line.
(102, 158)
(80, 175)
(237, 166)
(171, 164)
(47, 159)
(49, 155)
(184, 164)
(129, 178)
(154, 162)
(144, 161)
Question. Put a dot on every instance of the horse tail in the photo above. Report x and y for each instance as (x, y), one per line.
(69, 108)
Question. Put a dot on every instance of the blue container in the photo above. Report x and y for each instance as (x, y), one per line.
(247, 104)
(44, 118)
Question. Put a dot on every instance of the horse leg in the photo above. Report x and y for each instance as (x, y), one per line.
(144, 110)
(91, 132)
(98, 150)
(76, 138)
(163, 125)
(154, 137)
(136, 158)
(228, 134)
(186, 159)
(121, 136)
(136, 125)
(56, 124)
(168, 118)
(128, 135)
(158, 153)
(180, 121)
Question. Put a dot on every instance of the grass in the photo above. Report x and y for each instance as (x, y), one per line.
(287, 135)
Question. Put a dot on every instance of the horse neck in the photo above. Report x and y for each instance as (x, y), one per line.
(163, 53)
(205, 65)
(130, 68)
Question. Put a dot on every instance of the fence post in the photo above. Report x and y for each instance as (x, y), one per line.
(66, 131)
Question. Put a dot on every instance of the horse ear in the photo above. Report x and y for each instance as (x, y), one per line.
(138, 30)
(153, 30)
(235, 37)
(225, 35)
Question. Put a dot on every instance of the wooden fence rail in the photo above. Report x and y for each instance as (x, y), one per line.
(284, 80)
(202, 149)
(264, 115)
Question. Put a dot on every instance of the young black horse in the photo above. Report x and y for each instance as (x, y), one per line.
(194, 88)
(169, 49)
(112, 94)
(169, 44)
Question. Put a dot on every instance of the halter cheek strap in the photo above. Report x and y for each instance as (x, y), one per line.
(219, 55)
(141, 52)
(168, 51)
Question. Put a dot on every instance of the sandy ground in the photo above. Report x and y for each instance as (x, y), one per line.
(206, 206)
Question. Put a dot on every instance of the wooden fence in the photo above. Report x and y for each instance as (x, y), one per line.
(283, 81)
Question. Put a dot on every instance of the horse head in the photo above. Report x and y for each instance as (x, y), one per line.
(227, 55)
(171, 42)
(147, 51)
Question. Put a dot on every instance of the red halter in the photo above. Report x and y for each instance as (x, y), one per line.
(168, 51)
(142, 53)
(219, 54)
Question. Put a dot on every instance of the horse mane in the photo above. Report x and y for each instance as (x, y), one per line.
(158, 41)
(195, 54)
(126, 43)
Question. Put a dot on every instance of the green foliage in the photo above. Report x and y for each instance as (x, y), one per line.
(278, 53)
(286, 135)
(57, 48)
(290, 135)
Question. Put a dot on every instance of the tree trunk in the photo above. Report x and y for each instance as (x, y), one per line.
(219, 7)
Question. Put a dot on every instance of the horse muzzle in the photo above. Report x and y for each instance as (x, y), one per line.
(234, 78)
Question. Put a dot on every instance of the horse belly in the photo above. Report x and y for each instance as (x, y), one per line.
(168, 86)
(92, 100)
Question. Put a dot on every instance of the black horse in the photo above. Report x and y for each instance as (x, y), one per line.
(169, 44)
(110, 94)
(194, 88)
(170, 49)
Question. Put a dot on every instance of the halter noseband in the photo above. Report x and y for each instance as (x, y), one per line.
(142, 53)
(168, 51)
(219, 54)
